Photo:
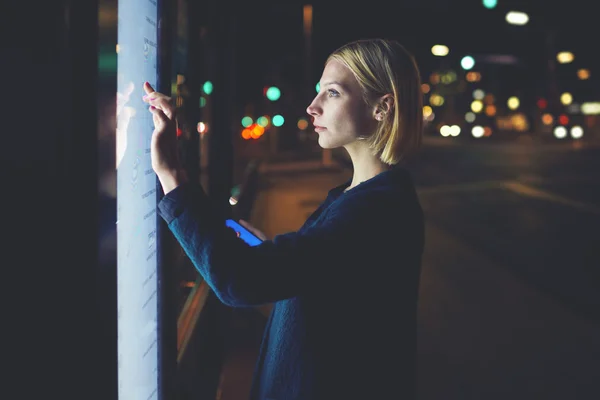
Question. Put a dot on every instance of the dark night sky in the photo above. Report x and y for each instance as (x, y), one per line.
(270, 38)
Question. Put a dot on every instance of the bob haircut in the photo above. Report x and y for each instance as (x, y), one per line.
(383, 67)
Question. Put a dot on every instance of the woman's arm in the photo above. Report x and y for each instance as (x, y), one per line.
(289, 265)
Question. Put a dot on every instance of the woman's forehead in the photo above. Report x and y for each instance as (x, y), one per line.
(336, 73)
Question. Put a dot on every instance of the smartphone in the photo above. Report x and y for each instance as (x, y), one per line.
(243, 233)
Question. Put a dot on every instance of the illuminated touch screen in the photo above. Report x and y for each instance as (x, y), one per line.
(138, 347)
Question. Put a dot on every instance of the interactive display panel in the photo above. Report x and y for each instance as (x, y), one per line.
(137, 252)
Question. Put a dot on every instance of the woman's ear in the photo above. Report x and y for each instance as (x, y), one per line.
(384, 107)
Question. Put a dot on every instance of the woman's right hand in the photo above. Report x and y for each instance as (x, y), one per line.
(164, 150)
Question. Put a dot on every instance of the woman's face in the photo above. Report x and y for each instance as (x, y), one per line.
(338, 111)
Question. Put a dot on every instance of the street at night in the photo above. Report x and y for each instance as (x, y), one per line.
(510, 288)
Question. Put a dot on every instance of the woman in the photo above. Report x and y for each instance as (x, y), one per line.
(344, 287)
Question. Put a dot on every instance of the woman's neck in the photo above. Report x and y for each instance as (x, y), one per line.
(365, 166)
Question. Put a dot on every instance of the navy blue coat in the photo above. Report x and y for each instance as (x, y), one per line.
(344, 288)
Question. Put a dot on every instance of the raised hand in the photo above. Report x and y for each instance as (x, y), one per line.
(164, 150)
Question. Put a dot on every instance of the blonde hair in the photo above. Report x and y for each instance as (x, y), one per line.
(385, 67)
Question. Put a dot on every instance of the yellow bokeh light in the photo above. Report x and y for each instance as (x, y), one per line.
(513, 103)
(565, 57)
(427, 111)
(436, 100)
(440, 50)
(519, 122)
(476, 106)
(566, 98)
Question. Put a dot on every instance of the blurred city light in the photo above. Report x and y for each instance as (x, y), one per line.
(565, 57)
(207, 87)
(560, 132)
(477, 131)
(436, 100)
(278, 120)
(440, 50)
(513, 102)
(563, 119)
(566, 98)
(478, 94)
(519, 122)
(473, 76)
(307, 18)
(476, 106)
(448, 77)
(576, 132)
(490, 110)
(547, 119)
(450, 130)
(574, 108)
(427, 111)
(247, 121)
(592, 108)
(489, 4)
(263, 121)
(467, 62)
(302, 124)
(202, 128)
(517, 18)
(542, 103)
(583, 74)
(254, 131)
(506, 59)
(273, 93)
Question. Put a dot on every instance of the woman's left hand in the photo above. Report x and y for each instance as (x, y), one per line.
(252, 229)
(164, 151)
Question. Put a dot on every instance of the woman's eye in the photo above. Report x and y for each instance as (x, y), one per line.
(332, 93)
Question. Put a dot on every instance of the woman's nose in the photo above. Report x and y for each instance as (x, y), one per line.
(312, 109)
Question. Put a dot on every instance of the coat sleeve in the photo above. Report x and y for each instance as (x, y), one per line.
(289, 265)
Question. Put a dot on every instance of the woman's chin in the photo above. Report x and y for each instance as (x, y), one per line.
(325, 144)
